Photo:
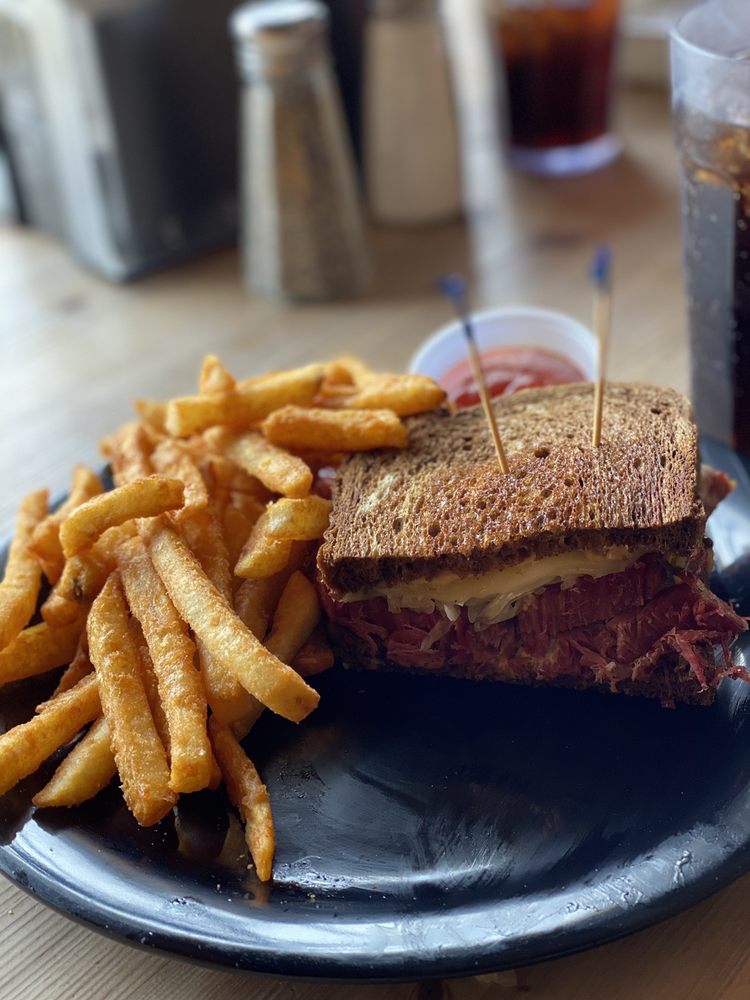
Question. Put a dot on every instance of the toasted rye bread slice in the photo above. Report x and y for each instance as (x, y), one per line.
(443, 503)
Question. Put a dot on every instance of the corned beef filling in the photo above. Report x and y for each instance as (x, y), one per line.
(616, 628)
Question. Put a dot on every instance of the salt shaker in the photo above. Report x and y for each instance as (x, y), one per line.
(411, 158)
(303, 237)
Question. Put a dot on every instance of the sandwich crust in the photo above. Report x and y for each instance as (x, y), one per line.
(444, 505)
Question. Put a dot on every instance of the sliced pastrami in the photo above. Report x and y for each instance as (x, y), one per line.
(618, 628)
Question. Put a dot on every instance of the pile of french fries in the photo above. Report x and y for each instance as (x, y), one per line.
(181, 602)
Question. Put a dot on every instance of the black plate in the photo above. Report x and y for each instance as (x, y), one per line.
(426, 827)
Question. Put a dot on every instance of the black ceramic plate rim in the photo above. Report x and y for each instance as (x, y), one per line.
(496, 953)
(426, 943)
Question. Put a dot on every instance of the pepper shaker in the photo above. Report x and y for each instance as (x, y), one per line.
(303, 236)
(411, 144)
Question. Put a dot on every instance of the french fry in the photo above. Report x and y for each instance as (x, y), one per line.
(172, 653)
(317, 460)
(249, 796)
(245, 405)
(85, 485)
(198, 447)
(296, 616)
(224, 476)
(154, 437)
(129, 451)
(151, 687)
(106, 447)
(255, 600)
(228, 699)
(23, 575)
(59, 610)
(237, 514)
(303, 520)
(25, 747)
(38, 649)
(215, 780)
(139, 753)
(246, 505)
(237, 528)
(406, 395)
(193, 414)
(335, 393)
(45, 539)
(315, 656)
(319, 429)
(204, 537)
(184, 514)
(226, 696)
(150, 683)
(337, 379)
(214, 622)
(284, 378)
(279, 471)
(261, 554)
(83, 577)
(241, 726)
(87, 769)
(140, 498)
(79, 667)
(152, 413)
(348, 370)
(214, 377)
(172, 459)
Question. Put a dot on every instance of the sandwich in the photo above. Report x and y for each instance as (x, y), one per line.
(583, 567)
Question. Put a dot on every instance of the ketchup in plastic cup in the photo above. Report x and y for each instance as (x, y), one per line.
(508, 370)
(520, 346)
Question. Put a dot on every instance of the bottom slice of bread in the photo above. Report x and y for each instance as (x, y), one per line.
(667, 682)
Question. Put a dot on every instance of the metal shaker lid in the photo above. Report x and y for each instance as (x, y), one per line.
(279, 36)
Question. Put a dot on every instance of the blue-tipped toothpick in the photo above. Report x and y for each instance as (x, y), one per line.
(453, 288)
(601, 275)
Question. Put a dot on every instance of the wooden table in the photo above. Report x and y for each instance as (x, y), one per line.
(74, 352)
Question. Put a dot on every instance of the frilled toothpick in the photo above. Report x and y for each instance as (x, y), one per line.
(453, 288)
(601, 275)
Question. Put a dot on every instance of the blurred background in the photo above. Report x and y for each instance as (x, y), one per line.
(120, 123)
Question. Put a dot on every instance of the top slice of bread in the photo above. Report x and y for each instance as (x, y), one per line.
(443, 503)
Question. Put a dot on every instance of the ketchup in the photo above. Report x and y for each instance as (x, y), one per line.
(508, 370)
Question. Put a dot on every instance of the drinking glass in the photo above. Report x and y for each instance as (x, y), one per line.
(711, 104)
(557, 57)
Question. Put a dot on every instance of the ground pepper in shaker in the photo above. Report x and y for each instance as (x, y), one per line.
(303, 237)
(411, 143)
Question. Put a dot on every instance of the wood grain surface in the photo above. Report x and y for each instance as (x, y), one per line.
(75, 351)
